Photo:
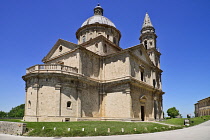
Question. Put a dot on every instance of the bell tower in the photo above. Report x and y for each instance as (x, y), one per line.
(148, 39)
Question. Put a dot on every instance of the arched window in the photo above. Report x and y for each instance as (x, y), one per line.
(69, 104)
(29, 104)
(107, 36)
(83, 39)
(96, 45)
(60, 48)
(145, 44)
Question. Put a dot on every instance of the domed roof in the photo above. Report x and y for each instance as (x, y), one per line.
(98, 18)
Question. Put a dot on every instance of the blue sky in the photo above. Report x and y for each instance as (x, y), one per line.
(29, 29)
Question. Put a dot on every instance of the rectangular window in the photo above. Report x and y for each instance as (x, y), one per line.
(154, 83)
(142, 76)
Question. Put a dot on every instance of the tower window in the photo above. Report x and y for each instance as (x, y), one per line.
(60, 48)
(69, 104)
(83, 39)
(150, 43)
(154, 83)
(107, 36)
(105, 48)
(145, 44)
(29, 104)
(142, 76)
(114, 40)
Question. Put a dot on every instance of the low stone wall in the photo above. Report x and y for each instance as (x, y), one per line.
(13, 128)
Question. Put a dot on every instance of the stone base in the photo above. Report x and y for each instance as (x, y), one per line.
(72, 119)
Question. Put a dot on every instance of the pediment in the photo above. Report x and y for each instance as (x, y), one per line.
(140, 52)
(143, 98)
(98, 39)
(61, 47)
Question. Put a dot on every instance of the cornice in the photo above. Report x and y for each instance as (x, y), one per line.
(92, 81)
(96, 25)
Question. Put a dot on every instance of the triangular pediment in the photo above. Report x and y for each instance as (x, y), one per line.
(61, 47)
(143, 98)
(98, 44)
(140, 52)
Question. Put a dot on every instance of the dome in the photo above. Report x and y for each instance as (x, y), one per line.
(98, 19)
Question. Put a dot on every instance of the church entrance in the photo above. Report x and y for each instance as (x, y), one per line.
(155, 109)
(142, 113)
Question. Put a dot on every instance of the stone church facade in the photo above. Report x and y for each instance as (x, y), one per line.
(96, 79)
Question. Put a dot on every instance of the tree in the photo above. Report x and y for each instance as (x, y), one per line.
(173, 112)
(3, 114)
(17, 111)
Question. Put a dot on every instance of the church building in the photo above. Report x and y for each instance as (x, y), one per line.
(96, 79)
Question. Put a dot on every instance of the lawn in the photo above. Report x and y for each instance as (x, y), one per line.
(100, 128)
(193, 121)
(62, 128)
(89, 128)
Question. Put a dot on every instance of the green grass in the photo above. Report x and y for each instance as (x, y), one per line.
(193, 121)
(11, 120)
(102, 127)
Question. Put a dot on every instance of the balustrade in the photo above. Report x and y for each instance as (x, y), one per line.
(51, 68)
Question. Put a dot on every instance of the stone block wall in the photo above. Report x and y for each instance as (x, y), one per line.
(13, 128)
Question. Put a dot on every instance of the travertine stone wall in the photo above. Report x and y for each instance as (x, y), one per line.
(117, 105)
(101, 48)
(117, 101)
(90, 65)
(115, 67)
(12, 128)
(137, 67)
(70, 59)
(68, 94)
(90, 101)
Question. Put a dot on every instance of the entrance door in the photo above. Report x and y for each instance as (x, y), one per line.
(155, 109)
(142, 113)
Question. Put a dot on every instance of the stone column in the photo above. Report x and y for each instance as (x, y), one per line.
(36, 88)
(128, 65)
(80, 62)
(58, 92)
(79, 104)
(130, 112)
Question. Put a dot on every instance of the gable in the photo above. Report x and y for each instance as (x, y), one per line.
(101, 46)
(60, 48)
(140, 52)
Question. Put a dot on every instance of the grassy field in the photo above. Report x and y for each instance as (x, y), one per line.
(193, 121)
(89, 128)
(102, 127)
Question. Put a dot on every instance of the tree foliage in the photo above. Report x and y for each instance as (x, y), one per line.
(17, 111)
(173, 112)
(3, 114)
